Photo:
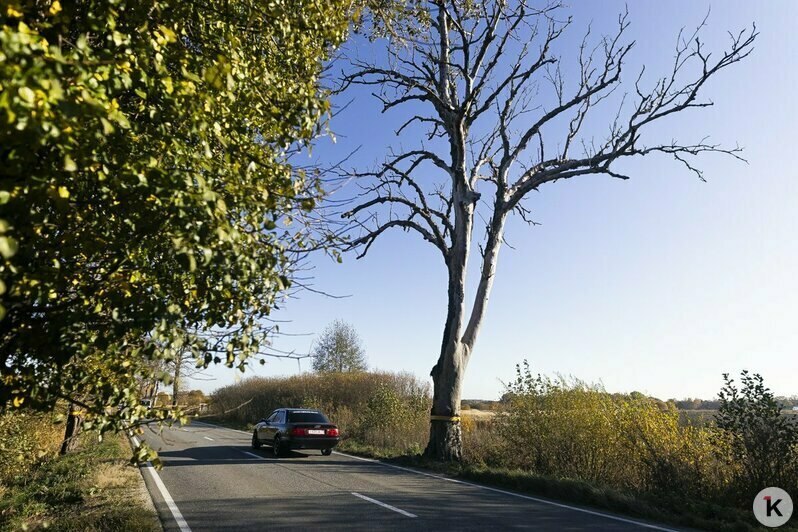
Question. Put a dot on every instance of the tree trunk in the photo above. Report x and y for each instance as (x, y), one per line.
(446, 439)
(176, 381)
(445, 436)
(74, 424)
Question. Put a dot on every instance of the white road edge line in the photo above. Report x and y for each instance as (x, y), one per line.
(512, 494)
(380, 503)
(207, 438)
(179, 519)
(495, 490)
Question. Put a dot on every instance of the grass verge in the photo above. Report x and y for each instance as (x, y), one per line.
(91, 489)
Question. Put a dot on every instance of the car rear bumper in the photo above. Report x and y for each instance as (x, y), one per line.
(312, 443)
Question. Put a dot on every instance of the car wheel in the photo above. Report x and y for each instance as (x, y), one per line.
(255, 441)
(326, 452)
(277, 447)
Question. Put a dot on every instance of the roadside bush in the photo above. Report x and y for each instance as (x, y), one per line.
(394, 421)
(388, 410)
(483, 443)
(26, 439)
(762, 442)
(669, 455)
(566, 428)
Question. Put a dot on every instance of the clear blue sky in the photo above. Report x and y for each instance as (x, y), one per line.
(658, 284)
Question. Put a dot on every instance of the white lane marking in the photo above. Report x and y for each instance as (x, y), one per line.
(170, 502)
(220, 427)
(207, 438)
(512, 494)
(253, 455)
(380, 503)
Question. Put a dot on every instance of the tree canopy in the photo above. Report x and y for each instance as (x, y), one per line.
(339, 349)
(145, 186)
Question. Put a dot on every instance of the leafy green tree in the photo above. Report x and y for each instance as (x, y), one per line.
(764, 441)
(145, 185)
(339, 349)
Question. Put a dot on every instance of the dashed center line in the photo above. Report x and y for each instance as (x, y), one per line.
(207, 438)
(380, 503)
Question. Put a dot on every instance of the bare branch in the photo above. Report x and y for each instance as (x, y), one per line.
(484, 66)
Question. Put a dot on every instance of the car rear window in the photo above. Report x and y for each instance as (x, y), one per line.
(307, 417)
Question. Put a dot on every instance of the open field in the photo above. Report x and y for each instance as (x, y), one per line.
(481, 415)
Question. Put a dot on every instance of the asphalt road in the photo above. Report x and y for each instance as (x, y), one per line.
(213, 480)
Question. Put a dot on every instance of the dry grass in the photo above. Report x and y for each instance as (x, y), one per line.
(91, 489)
(478, 414)
(115, 497)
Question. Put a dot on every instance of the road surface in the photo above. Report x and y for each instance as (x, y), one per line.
(213, 480)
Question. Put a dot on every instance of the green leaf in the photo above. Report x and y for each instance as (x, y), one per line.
(8, 247)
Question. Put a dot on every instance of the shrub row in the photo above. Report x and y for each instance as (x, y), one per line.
(386, 410)
(565, 428)
(557, 429)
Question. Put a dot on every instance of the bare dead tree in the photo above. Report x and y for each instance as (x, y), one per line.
(490, 138)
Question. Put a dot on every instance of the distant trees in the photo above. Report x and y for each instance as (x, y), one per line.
(339, 349)
(695, 404)
(191, 398)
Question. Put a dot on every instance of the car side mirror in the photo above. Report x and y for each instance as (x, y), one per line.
(263, 421)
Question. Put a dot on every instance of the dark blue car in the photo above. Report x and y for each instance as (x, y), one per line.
(296, 428)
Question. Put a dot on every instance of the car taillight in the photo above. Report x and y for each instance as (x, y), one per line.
(299, 432)
(332, 432)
